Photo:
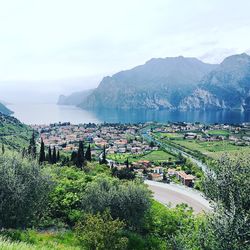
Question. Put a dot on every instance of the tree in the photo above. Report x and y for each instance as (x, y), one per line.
(127, 201)
(24, 189)
(54, 158)
(127, 163)
(32, 146)
(58, 156)
(88, 154)
(42, 153)
(3, 149)
(103, 159)
(49, 156)
(80, 155)
(229, 186)
(124, 173)
(102, 232)
(73, 157)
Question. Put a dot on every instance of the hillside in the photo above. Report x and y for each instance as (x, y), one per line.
(5, 110)
(158, 84)
(75, 98)
(13, 133)
(226, 87)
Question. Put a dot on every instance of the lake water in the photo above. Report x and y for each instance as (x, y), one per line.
(50, 113)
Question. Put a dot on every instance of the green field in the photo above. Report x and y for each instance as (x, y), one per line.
(213, 149)
(219, 132)
(154, 156)
(158, 156)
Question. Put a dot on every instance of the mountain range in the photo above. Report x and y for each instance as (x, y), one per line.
(174, 83)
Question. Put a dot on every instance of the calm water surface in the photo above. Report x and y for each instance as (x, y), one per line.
(50, 113)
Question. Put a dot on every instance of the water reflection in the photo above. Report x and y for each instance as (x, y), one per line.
(135, 116)
(50, 113)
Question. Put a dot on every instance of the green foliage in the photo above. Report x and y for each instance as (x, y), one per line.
(101, 232)
(47, 240)
(24, 188)
(124, 173)
(128, 201)
(64, 204)
(229, 187)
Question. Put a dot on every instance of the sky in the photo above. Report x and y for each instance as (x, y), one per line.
(48, 47)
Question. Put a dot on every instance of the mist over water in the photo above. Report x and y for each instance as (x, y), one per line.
(51, 113)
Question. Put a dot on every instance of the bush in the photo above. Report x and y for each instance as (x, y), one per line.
(127, 201)
(101, 232)
(24, 189)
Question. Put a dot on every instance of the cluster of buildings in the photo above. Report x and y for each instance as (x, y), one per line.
(236, 134)
(116, 138)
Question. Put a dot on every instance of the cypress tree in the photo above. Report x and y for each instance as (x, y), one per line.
(74, 157)
(80, 155)
(54, 155)
(3, 149)
(42, 153)
(127, 163)
(58, 156)
(32, 146)
(103, 160)
(88, 154)
(49, 155)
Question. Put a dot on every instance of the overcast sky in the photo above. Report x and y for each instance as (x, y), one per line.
(65, 45)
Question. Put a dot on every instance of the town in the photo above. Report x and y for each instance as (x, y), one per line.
(145, 147)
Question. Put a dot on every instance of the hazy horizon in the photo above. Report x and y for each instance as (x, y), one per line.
(57, 47)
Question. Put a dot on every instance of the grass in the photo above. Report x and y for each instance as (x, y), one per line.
(31, 239)
(219, 132)
(212, 149)
(158, 155)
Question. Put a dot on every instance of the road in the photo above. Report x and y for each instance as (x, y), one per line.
(170, 148)
(174, 194)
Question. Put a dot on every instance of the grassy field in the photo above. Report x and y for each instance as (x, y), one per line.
(219, 132)
(213, 149)
(154, 156)
(33, 240)
(157, 156)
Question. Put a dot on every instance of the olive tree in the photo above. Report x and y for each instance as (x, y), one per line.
(24, 187)
(127, 201)
(229, 187)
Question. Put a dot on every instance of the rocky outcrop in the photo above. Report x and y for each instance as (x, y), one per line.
(201, 100)
(158, 84)
(226, 87)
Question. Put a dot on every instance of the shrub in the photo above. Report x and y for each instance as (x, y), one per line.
(127, 201)
(24, 189)
(101, 232)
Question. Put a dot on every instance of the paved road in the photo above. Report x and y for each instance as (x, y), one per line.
(177, 194)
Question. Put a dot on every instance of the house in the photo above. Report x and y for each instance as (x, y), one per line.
(171, 172)
(186, 179)
(157, 170)
(155, 177)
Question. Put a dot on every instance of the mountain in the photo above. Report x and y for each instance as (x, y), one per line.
(75, 98)
(226, 87)
(160, 83)
(5, 110)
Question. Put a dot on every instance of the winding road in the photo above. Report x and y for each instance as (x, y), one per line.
(173, 194)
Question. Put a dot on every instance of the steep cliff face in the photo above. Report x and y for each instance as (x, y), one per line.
(158, 84)
(226, 87)
(201, 100)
